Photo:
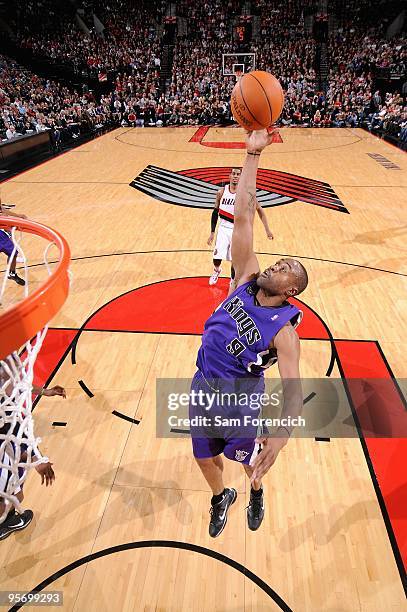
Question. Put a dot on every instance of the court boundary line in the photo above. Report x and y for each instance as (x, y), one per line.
(247, 573)
(235, 151)
(308, 257)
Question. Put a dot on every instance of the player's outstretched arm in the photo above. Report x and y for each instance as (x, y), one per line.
(10, 214)
(244, 260)
(263, 219)
(215, 215)
(49, 392)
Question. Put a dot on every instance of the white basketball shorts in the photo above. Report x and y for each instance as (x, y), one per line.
(223, 246)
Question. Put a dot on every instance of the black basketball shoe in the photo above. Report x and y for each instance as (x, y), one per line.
(17, 279)
(15, 522)
(255, 510)
(219, 512)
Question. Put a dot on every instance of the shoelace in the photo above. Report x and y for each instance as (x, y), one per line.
(216, 507)
(255, 505)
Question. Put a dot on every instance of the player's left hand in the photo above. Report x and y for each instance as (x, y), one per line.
(57, 390)
(46, 472)
(266, 458)
(270, 236)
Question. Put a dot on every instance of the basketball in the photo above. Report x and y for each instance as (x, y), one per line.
(257, 100)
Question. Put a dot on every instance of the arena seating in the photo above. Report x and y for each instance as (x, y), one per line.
(130, 49)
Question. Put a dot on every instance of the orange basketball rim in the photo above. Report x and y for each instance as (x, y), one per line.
(23, 320)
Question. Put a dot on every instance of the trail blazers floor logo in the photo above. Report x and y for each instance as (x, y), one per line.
(197, 187)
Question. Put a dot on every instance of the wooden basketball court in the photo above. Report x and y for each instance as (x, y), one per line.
(125, 527)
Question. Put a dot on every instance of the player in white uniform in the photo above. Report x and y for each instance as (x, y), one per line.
(225, 208)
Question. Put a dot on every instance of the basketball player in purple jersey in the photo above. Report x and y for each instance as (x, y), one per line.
(252, 329)
(7, 247)
(224, 210)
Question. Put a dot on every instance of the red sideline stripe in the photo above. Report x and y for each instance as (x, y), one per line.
(388, 455)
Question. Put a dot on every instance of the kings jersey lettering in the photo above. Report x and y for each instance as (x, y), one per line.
(244, 323)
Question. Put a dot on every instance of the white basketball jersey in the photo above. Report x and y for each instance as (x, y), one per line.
(227, 208)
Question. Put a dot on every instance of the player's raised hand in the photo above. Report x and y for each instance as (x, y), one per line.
(259, 140)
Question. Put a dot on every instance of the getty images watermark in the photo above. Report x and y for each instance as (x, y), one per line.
(208, 402)
(327, 408)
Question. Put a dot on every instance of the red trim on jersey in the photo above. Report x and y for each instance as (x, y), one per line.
(225, 215)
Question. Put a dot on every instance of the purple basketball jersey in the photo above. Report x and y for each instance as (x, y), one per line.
(236, 337)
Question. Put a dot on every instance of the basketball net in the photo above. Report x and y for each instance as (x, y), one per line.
(19, 450)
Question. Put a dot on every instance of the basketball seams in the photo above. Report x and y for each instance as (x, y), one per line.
(265, 94)
(241, 93)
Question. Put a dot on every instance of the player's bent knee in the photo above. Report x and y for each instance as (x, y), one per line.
(205, 461)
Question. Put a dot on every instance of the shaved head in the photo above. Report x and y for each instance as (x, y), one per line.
(301, 275)
(286, 278)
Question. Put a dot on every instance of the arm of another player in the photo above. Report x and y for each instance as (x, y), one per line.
(244, 260)
(57, 390)
(215, 215)
(10, 214)
(45, 470)
(263, 218)
(287, 344)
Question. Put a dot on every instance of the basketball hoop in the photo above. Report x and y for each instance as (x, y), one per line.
(23, 326)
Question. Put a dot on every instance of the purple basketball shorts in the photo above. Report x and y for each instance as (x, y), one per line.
(217, 429)
(6, 244)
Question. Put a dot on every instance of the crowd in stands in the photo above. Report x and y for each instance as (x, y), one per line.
(197, 91)
(29, 104)
(129, 40)
(356, 58)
